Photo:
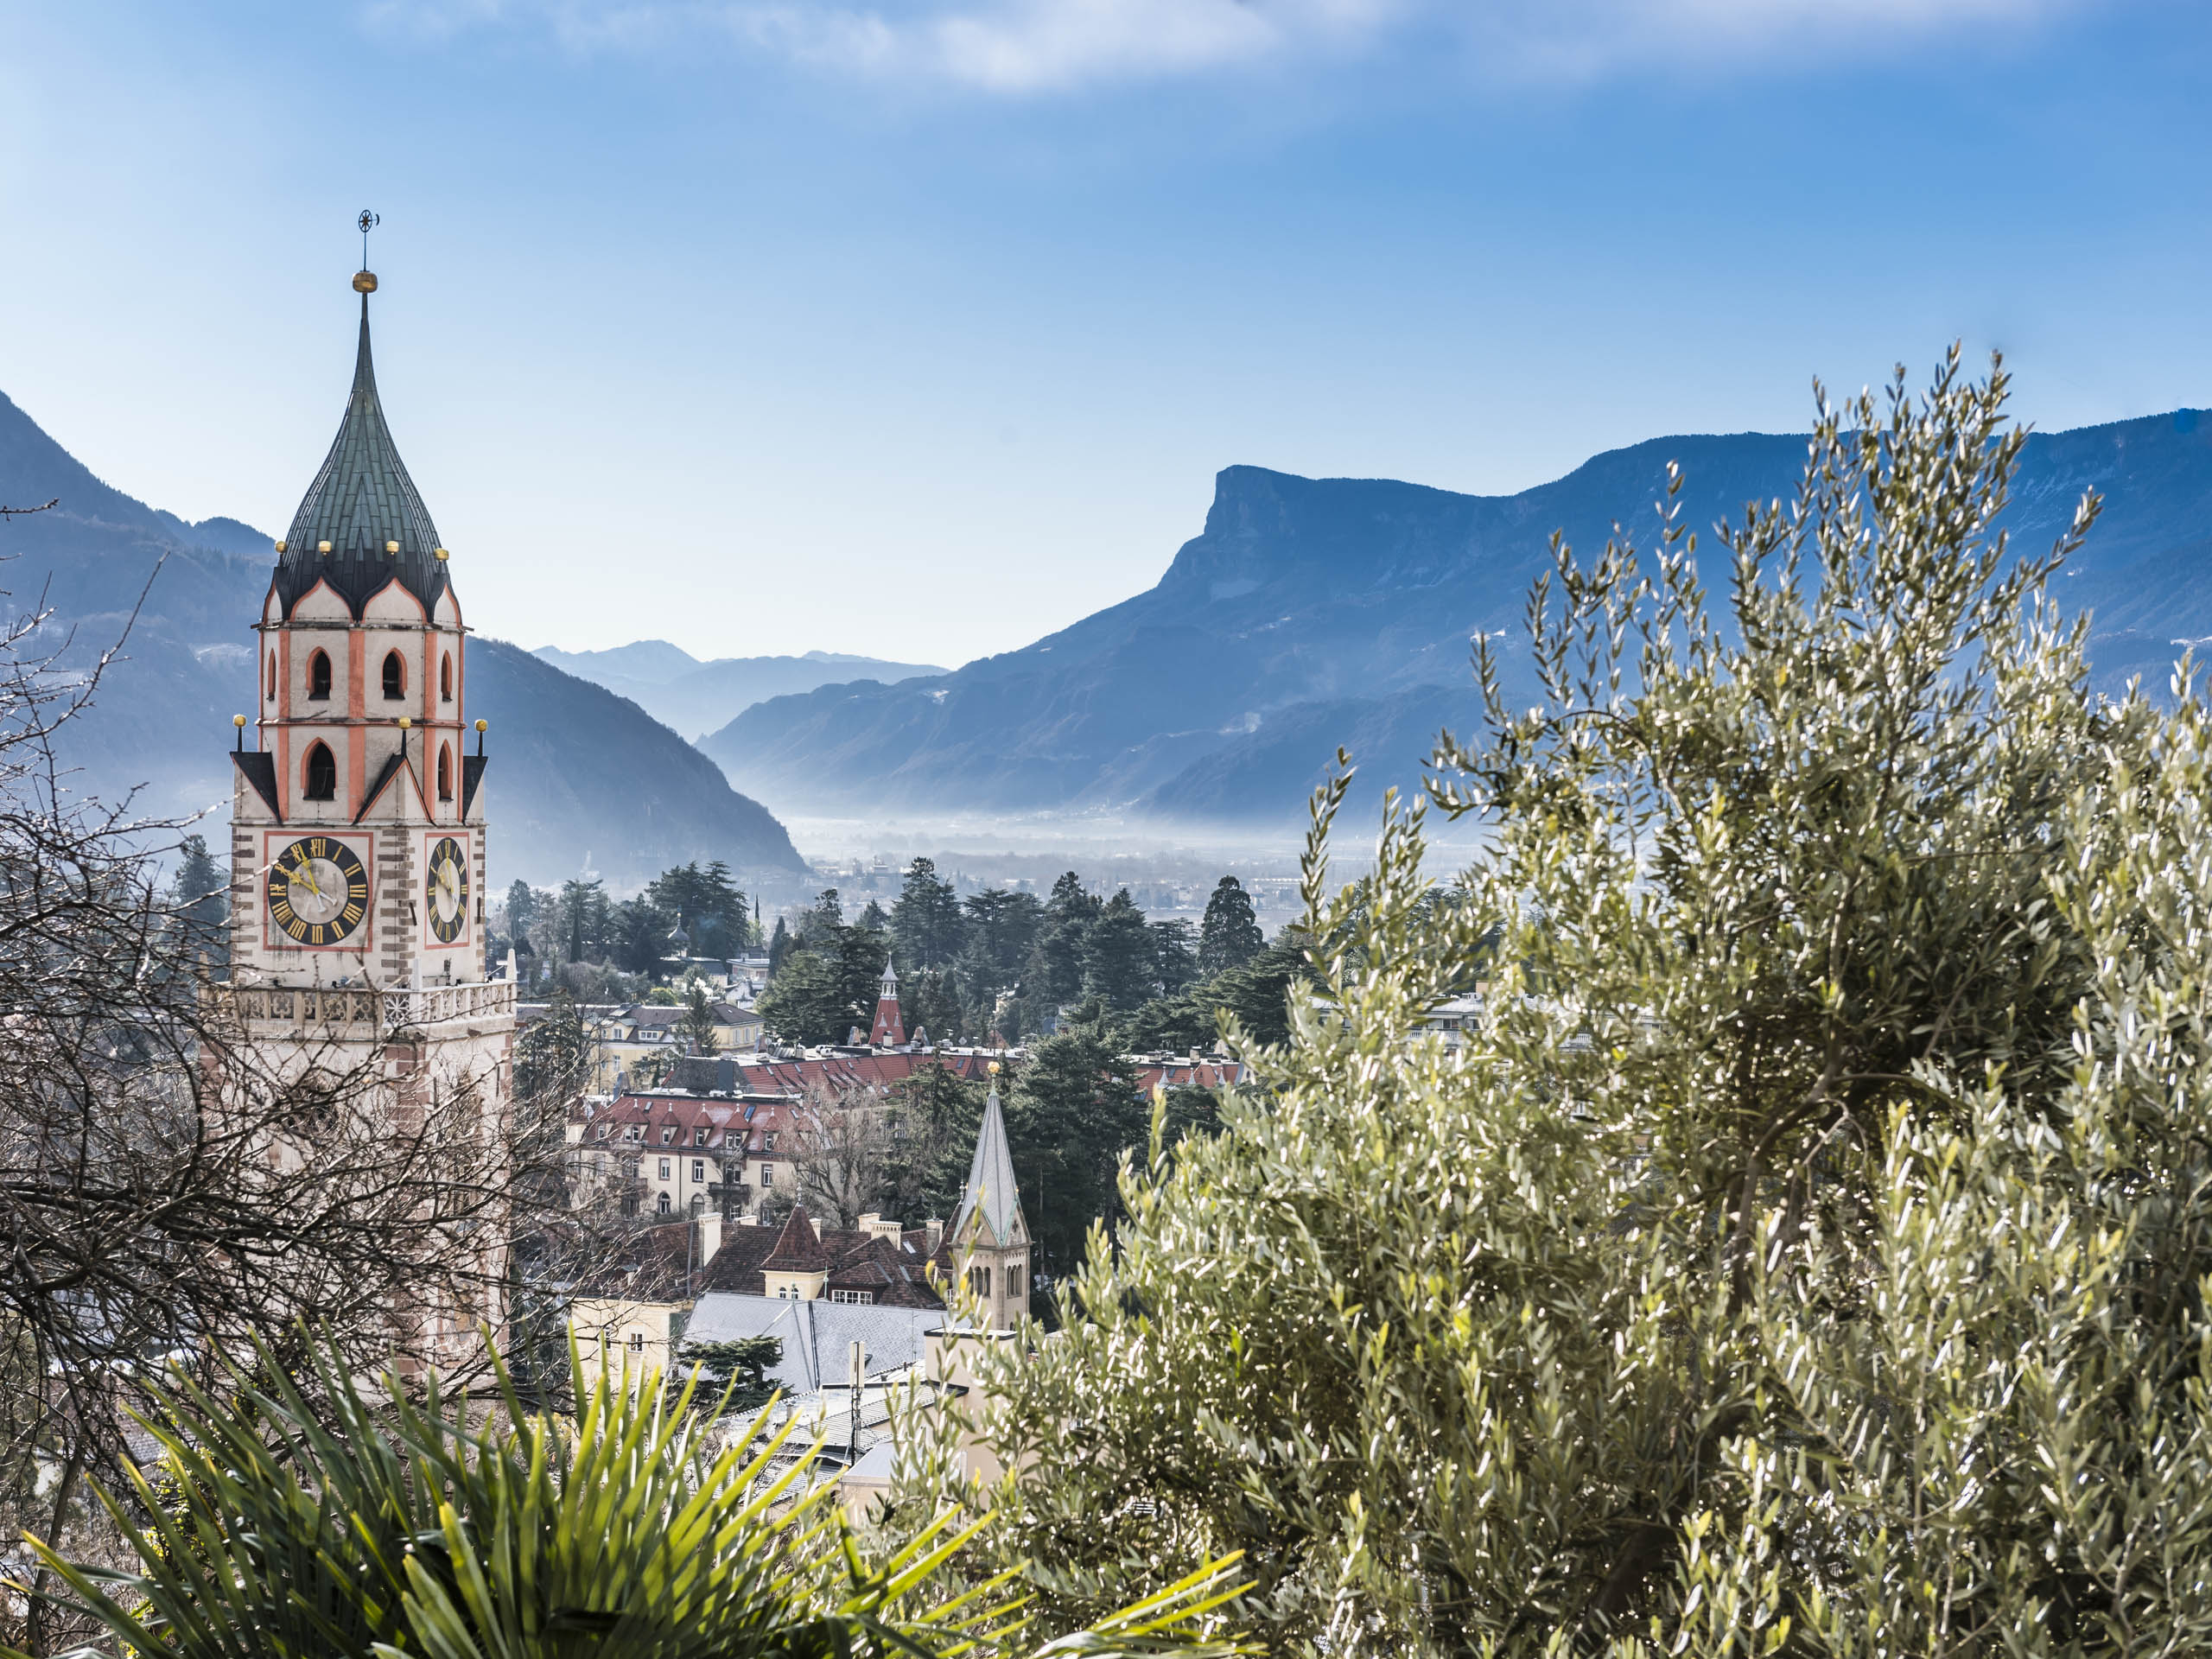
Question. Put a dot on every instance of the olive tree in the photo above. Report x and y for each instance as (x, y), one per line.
(1809, 1252)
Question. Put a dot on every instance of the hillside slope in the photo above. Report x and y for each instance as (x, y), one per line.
(1312, 612)
(694, 697)
(579, 775)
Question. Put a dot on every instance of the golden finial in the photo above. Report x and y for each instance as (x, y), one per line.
(323, 547)
(365, 280)
(405, 722)
(391, 547)
(280, 545)
(237, 720)
(442, 555)
(483, 725)
(994, 1068)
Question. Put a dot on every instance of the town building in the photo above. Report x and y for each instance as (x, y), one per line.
(357, 822)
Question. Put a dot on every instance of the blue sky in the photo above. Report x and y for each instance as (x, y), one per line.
(920, 327)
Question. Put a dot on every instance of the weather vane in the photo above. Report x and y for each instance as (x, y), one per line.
(368, 221)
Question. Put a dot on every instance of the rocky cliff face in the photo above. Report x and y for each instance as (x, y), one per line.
(579, 773)
(1311, 612)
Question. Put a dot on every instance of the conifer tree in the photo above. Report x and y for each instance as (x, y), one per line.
(1228, 937)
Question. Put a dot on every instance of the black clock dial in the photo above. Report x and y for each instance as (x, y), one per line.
(448, 897)
(317, 891)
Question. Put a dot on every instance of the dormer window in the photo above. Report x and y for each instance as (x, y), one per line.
(699, 1135)
(668, 1137)
(395, 676)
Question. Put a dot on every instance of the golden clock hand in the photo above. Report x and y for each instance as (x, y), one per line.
(304, 867)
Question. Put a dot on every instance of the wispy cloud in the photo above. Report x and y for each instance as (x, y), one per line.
(1034, 47)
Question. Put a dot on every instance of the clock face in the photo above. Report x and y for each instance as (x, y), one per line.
(317, 891)
(447, 899)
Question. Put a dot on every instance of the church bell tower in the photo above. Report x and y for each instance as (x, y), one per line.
(357, 822)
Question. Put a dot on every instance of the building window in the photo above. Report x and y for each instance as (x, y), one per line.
(663, 1169)
(749, 1112)
(664, 1206)
(322, 774)
(768, 1176)
(853, 1298)
(699, 1169)
(979, 1281)
(445, 679)
(768, 1141)
(637, 1341)
(699, 1135)
(270, 692)
(445, 772)
(395, 676)
(319, 677)
(668, 1137)
(602, 1131)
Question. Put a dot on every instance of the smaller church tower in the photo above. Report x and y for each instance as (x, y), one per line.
(889, 1030)
(989, 1241)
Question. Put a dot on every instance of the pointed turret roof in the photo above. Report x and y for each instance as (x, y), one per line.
(798, 1247)
(990, 1196)
(361, 502)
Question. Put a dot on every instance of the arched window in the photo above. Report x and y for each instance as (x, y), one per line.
(445, 772)
(269, 689)
(395, 676)
(445, 679)
(664, 1206)
(322, 774)
(319, 677)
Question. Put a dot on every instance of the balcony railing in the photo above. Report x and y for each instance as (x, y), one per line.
(336, 1010)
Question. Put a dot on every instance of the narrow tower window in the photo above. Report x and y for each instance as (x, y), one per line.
(269, 688)
(322, 774)
(445, 679)
(445, 772)
(395, 676)
(319, 677)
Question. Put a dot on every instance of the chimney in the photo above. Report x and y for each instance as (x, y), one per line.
(710, 1236)
(935, 1227)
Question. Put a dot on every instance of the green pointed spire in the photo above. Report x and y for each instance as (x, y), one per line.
(361, 503)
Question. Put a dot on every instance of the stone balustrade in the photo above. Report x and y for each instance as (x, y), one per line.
(357, 1010)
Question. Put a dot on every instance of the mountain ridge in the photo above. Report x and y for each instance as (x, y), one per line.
(1305, 605)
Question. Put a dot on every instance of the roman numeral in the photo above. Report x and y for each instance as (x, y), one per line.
(358, 889)
(315, 847)
(352, 914)
(317, 931)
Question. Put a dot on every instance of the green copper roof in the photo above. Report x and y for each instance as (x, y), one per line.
(359, 502)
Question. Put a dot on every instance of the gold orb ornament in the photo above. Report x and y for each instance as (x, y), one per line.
(364, 282)
(237, 720)
(994, 1068)
(442, 555)
(483, 725)
(391, 547)
(405, 722)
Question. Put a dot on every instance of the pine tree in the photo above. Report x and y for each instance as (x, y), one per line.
(1228, 937)
(1119, 960)
(1054, 974)
(927, 928)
